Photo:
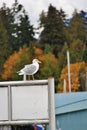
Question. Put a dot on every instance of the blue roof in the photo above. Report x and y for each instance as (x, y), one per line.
(69, 102)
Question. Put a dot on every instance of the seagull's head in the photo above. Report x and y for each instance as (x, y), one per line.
(36, 61)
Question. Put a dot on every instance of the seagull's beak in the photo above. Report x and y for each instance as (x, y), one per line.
(39, 61)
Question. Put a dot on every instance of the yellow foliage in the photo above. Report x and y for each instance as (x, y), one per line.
(49, 65)
(15, 62)
(38, 51)
(9, 66)
(74, 76)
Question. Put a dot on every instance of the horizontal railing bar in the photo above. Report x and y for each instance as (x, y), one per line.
(24, 122)
(31, 82)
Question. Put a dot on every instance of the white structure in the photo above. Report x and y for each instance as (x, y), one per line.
(27, 102)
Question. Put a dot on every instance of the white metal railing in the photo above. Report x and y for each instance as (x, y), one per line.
(15, 94)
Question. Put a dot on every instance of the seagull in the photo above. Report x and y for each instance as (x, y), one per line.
(30, 69)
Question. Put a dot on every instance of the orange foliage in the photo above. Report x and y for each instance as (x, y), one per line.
(38, 52)
(74, 75)
(9, 66)
(15, 62)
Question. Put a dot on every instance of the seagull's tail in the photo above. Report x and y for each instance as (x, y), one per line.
(20, 73)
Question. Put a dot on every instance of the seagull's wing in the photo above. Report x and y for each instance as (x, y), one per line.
(30, 69)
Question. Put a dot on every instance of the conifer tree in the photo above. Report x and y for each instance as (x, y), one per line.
(53, 27)
(23, 32)
(76, 29)
(7, 20)
(4, 45)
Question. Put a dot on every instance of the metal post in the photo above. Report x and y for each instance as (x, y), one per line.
(64, 87)
(69, 79)
(51, 103)
(9, 106)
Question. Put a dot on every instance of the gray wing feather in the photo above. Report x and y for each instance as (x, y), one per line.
(29, 69)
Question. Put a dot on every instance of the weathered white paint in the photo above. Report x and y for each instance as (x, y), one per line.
(3, 103)
(27, 102)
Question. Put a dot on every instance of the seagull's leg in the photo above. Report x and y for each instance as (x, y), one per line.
(28, 77)
(33, 77)
(24, 77)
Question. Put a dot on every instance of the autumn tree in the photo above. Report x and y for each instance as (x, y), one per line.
(38, 52)
(74, 75)
(48, 67)
(15, 62)
(83, 77)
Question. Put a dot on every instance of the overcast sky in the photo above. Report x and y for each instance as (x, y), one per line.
(34, 7)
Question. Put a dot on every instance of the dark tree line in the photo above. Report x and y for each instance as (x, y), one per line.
(19, 31)
(17, 24)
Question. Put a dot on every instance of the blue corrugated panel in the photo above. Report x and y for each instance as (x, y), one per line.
(69, 102)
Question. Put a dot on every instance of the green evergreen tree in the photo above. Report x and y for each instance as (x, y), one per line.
(76, 49)
(84, 18)
(23, 32)
(76, 29)
(7, 19)
(84, 54)
(53, 28)
(4, 45)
